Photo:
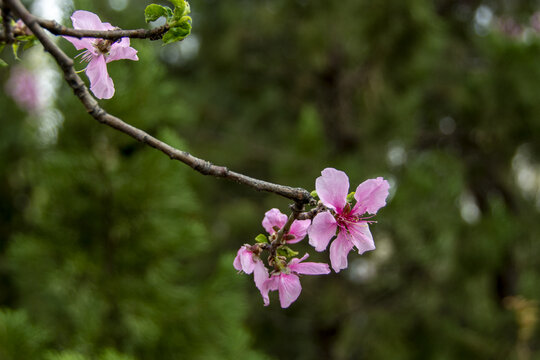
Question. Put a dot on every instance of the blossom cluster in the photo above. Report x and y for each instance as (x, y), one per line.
(341, 218)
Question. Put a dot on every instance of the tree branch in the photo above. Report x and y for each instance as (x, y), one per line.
(58, 29)
(8, 30)
(299, 195)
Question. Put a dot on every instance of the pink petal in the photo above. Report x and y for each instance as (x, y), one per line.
(332, 188)
(361, 237)
(86, 20)
(322, 230)
(273, 217)
(339, 250)
(260, 274)
(101, 83)
(270, 284)
(84, 43)
(299, 230)
(310, 268)
(244, 260)
(371, 195)
(295, 261)
(122, 51)
(289, 289)
(237, 263)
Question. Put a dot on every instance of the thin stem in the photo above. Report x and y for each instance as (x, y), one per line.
(8, 30)
(58, 29)
(299, 195)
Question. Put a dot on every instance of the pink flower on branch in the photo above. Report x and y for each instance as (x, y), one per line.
(352, 228)
(287, 281)
(274, 220)
(99, 52)
(249, 262)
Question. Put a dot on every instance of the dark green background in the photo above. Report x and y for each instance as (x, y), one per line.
(109, 250)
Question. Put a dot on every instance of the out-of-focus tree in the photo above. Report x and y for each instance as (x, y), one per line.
(107, 245)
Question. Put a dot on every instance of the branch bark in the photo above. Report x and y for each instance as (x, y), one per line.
(58, 29)
(298, 195)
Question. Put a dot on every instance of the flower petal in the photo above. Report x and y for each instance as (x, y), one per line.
(270, 284)
(339, 250)
(84, 43)
(101, 83)
(361, 237)
(86, 20)
(322, 230)
(332, 188)
(244, 260)
(371, 195)
(237, 263)
(289, 289)
(295, 261)
(299, 229)
(273, 217)
(310, 268)
(260, 274)
(122, 50)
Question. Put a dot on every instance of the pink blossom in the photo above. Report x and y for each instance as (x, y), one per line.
(99, 52)
(22, 87)
(287, 281)
(352, 228)
(247, 261)
(274, 220)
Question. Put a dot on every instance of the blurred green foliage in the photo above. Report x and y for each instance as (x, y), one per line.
(110, 251)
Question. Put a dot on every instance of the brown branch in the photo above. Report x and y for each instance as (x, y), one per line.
(308, 215)
(299, 195)
(58, 29)
(8, 37)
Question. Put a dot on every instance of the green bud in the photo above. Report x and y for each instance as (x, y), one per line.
(177, 33)
(155, 11)
(178, 3)
(286, 251)
(314, 194)
(350, 197)
(184, 22)
(261, 239)
(181, 11)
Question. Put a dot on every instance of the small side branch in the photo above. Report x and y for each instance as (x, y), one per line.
(298, 195)
(58, 29)
(6, 23)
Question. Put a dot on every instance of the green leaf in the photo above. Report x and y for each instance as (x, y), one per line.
(177, 33)
(15, 48)
(25, 37)
(261, 239)
(178, 3)
(155, 11)
(3, 63)
(286, 251)
(350, 197)
(30, 43)
(182, 11)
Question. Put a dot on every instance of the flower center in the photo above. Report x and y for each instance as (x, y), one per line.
(103, 46)
(345, 220)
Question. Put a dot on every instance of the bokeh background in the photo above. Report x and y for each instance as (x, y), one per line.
(109, 250)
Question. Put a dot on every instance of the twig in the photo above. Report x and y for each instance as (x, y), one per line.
(58, 29)
(308, 215)
(299, 195)
(8, 30)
